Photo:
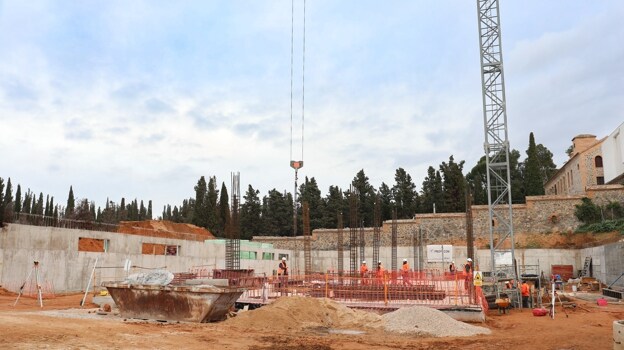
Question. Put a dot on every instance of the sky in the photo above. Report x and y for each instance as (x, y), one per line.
(139, 99)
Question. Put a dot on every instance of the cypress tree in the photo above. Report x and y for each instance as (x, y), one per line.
(8, 195)
(200, 214)
(149, 210)
(39, 206)
(47, 206)
(69, 209)
(212, 204)
(532, 177)
(224, 211)
(17, 206)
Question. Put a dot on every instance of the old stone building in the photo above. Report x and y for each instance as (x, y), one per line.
(582, 170)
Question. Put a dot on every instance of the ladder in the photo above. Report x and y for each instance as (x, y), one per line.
(586, 267)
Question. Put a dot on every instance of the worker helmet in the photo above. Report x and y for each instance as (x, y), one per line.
(404, 260)
(379, 262)
(363, 261)
(283, 258)
(469, 259)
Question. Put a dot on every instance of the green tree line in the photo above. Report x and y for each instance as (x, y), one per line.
(443, 189)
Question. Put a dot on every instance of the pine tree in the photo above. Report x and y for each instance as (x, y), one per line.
(277, 214)
(432, 192)
(334, 204)
(454, 186)
(250, 215)
(387, 202)
(532, 178)
(69, 209)
(309, 192)
(546, 164)
(404, 193)
(366, 194)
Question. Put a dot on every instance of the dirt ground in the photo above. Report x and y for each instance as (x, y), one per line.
(61, 324)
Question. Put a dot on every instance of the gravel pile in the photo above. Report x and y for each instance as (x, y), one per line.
(428, 322)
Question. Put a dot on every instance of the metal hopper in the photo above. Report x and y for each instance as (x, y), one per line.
(197, 303)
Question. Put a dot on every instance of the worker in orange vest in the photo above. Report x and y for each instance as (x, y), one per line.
(380, 271)
(405, 272)
(363, 272)
(526, 293)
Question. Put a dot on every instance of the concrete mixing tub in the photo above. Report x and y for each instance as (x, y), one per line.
(202, 303)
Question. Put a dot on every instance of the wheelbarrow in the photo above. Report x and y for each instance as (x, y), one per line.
(503, 305)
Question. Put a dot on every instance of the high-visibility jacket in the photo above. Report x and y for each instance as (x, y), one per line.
(405, 268)
(525, 289)
(363, 269)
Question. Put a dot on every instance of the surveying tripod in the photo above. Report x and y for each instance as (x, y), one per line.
(35, 268)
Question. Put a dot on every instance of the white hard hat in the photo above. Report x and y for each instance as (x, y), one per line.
(379, 262)
(405, 260)
(452, 262)
(363, 261)
(283, 258)
(469, 259)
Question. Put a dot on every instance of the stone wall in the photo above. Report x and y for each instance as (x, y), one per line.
(540, 214)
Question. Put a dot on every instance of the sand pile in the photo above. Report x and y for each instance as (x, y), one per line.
(298, 313)
(428, 322)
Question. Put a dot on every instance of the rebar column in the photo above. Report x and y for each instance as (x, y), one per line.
(232, 228)
(306, 239)
(394, 240)
(376, 229)
(353, 236)
(340, 243)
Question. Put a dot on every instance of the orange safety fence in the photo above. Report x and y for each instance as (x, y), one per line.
(389, 289)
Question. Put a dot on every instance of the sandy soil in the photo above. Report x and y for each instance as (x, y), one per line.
(62, 325)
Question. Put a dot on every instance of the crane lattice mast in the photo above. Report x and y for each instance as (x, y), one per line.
(496, 143)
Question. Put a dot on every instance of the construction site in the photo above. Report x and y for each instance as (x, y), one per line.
(473, 280)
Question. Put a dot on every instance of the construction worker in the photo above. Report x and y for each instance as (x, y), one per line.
(405, 272)
(468, 278)
(452, 268)
(282, 272)
(380, 272)
(525, 290)
(364, 272)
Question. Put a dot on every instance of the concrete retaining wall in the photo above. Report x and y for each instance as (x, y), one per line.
(68, 269)
(607, 262)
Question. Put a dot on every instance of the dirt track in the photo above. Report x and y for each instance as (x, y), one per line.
(26, 327)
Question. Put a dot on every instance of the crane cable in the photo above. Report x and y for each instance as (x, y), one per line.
(299, 163)
(296, 164)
